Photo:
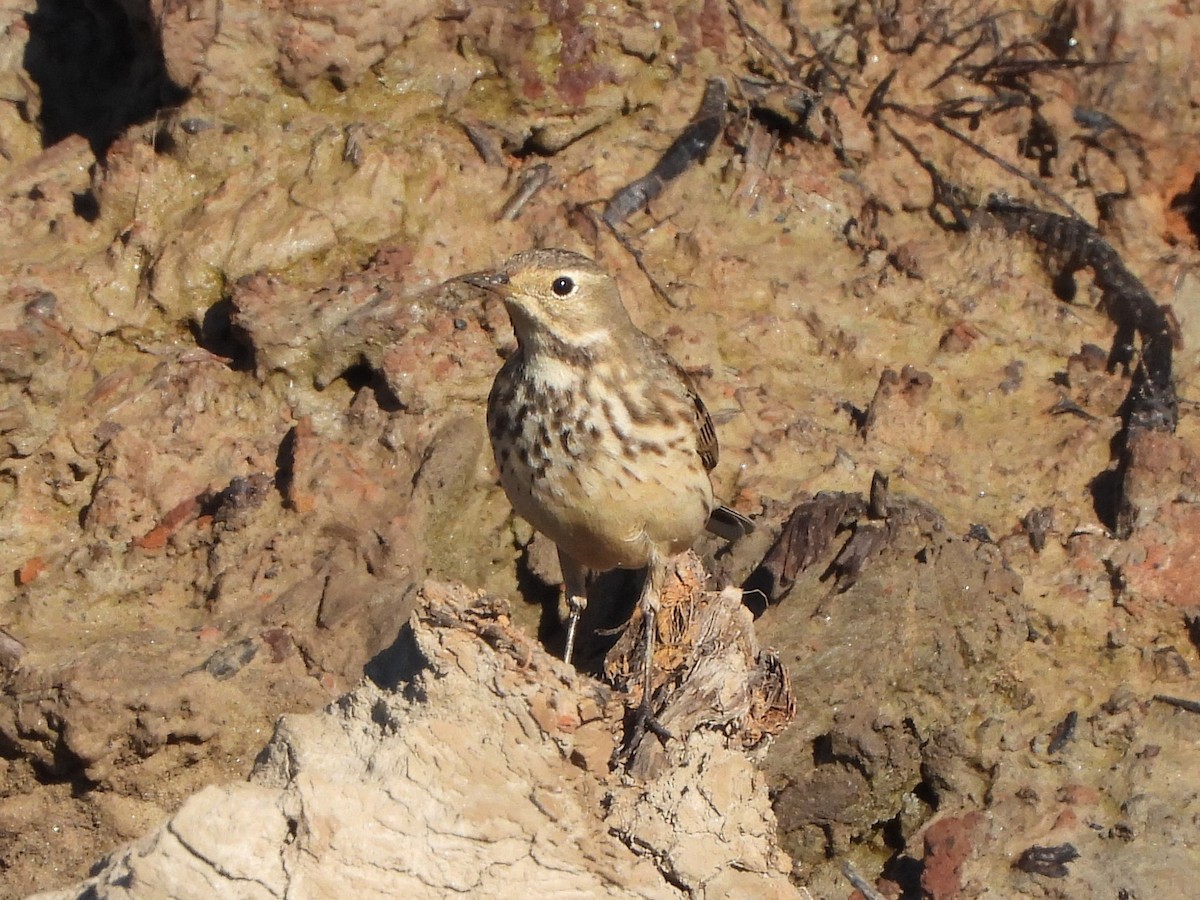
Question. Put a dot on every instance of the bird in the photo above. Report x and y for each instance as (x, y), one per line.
(601, 440)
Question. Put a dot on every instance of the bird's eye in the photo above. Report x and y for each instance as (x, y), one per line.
(562, 286)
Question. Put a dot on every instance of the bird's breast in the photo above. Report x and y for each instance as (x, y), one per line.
(598, 462)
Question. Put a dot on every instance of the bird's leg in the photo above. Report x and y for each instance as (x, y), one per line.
(575, 589)
(649, 604)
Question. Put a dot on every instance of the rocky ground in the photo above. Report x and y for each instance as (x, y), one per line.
(242, 413)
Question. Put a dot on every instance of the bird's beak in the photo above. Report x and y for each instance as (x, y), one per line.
(496, 282)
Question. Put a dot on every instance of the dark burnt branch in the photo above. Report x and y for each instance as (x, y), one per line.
(988, 23)
(866, 542)
(1192, 706)
(933, 30)
(690, 147)
(946, 193)
(1151, 404)
(975, 109)
(1004, 164)
(810, 535)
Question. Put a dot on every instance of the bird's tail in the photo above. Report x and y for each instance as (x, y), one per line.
(729, 523)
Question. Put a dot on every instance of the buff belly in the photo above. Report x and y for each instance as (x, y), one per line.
(605, 516)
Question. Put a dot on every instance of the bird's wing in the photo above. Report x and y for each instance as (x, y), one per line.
(724, 521)
(706, 434)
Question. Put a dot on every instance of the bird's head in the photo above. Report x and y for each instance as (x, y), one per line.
(557, 299)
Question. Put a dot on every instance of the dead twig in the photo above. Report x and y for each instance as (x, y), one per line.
(1038, 184)
(596, 221)
(798, 29)
(945, 192)
(1179, 702)
(861, 884)
(531, 182)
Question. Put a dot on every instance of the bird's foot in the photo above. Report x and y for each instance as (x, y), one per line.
(643, 723)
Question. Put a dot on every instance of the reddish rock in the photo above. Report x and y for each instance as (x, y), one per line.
(34, 567)
(156, 538)
(1170, 569)
(948, 843)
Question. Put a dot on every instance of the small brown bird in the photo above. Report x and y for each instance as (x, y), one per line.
(602, 442)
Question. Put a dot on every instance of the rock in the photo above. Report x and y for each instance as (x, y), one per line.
(948, 843)
(451, 782)
(927, 609)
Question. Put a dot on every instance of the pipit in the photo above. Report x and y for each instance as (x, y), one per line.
(602, 442)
